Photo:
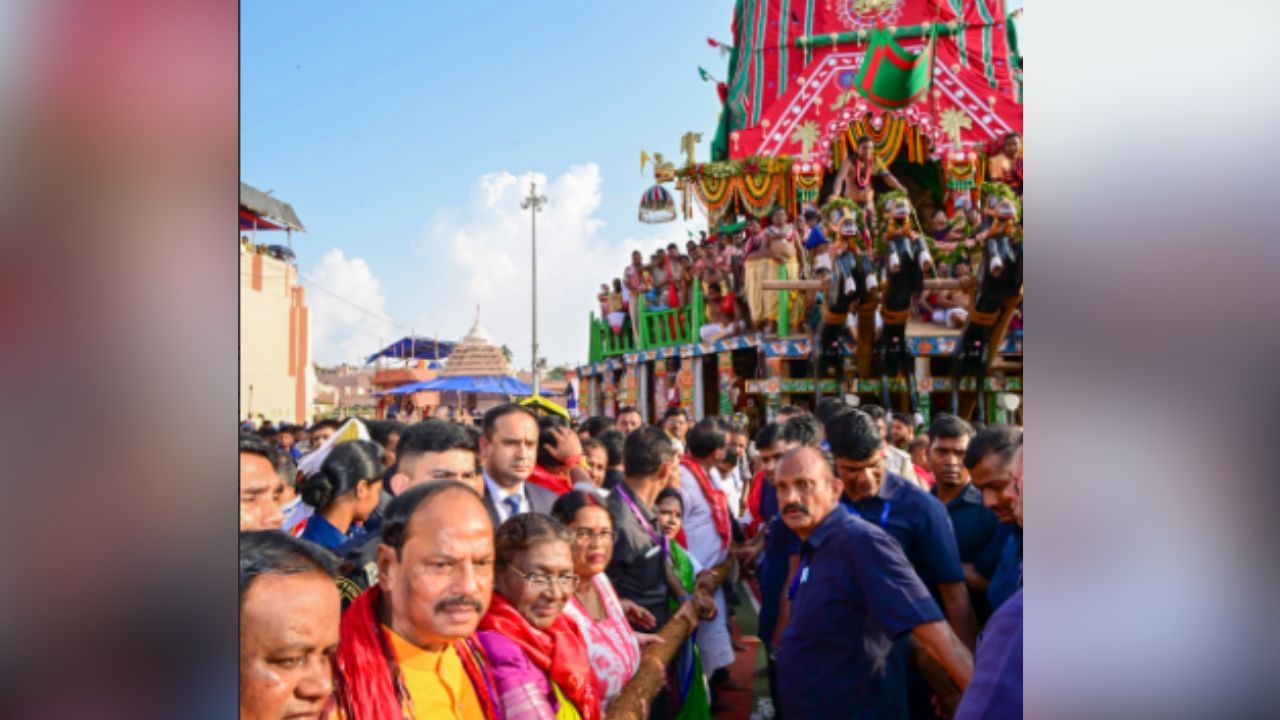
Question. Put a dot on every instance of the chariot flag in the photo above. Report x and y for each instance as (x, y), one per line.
(891, 77)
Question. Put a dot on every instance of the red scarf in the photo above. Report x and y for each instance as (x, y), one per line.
(366, 677)
(715, 498)
(754, 496)
(559, 651)
(543, 477)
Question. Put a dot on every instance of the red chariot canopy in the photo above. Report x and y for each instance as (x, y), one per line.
(792, 94)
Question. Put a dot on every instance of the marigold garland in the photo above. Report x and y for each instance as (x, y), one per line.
(895, 133)
(962, 174)
(808, 186)
(714, 192)
(760, 190)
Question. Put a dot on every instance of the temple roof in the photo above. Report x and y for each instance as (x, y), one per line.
(476, 355)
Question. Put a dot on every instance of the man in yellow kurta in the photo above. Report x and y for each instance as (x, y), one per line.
(407, 647)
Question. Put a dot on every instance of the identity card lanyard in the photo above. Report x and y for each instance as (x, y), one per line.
(657, 537)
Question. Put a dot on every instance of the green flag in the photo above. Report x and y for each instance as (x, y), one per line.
(706, 76)
(891, 77)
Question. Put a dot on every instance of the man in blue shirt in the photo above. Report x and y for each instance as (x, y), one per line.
(996, 689)
(989, 459)
(908, 514)
(975, 526)
(920, 524)
(782, 547)
(853, 596)
(285, 440)
(779, 546)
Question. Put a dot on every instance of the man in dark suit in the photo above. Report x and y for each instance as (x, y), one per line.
(508, 450)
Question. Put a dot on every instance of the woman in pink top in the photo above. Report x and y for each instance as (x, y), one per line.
(612, 647)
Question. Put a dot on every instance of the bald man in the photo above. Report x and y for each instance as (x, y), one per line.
(996, 689)
(853, 596)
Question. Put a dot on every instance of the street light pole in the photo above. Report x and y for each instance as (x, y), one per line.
(534, 204)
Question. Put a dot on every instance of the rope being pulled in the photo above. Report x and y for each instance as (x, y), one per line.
(633, 702)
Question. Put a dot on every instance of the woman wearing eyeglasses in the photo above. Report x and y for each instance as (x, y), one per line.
(538, 656)
(594, 608)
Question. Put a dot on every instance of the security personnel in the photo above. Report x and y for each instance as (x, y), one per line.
(989, 459)
(854, 598)
(917, 520)
(976, 527)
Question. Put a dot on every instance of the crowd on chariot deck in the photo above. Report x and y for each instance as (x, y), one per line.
(520, 567)
(728, 268)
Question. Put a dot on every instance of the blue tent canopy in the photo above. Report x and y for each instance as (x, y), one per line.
(497, 384)
(411, 346)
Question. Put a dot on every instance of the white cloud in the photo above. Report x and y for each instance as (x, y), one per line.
(480, 255)
(348, 314)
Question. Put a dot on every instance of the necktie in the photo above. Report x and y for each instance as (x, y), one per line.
(513, 504)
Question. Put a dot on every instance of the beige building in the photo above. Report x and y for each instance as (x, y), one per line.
(275, 351)
(345, 390)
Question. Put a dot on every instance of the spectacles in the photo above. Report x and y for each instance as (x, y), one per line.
(585, 535)
(543, 581)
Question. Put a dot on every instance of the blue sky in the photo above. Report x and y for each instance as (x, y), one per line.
(403, 133)
(394, 126)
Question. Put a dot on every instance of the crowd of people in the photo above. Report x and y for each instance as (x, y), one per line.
(729, 267)
(519, 568)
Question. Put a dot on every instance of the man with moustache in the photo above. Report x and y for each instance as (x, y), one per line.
(781, 547)
(995, 692)
(989, 459)
(922, 528)
(853, 596)
(407, 647)
(908, 514)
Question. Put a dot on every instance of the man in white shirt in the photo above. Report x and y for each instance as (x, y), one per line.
(508, 450)
(728, 472)
(707, 527)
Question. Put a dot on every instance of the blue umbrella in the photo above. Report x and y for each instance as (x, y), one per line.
(496, 384)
